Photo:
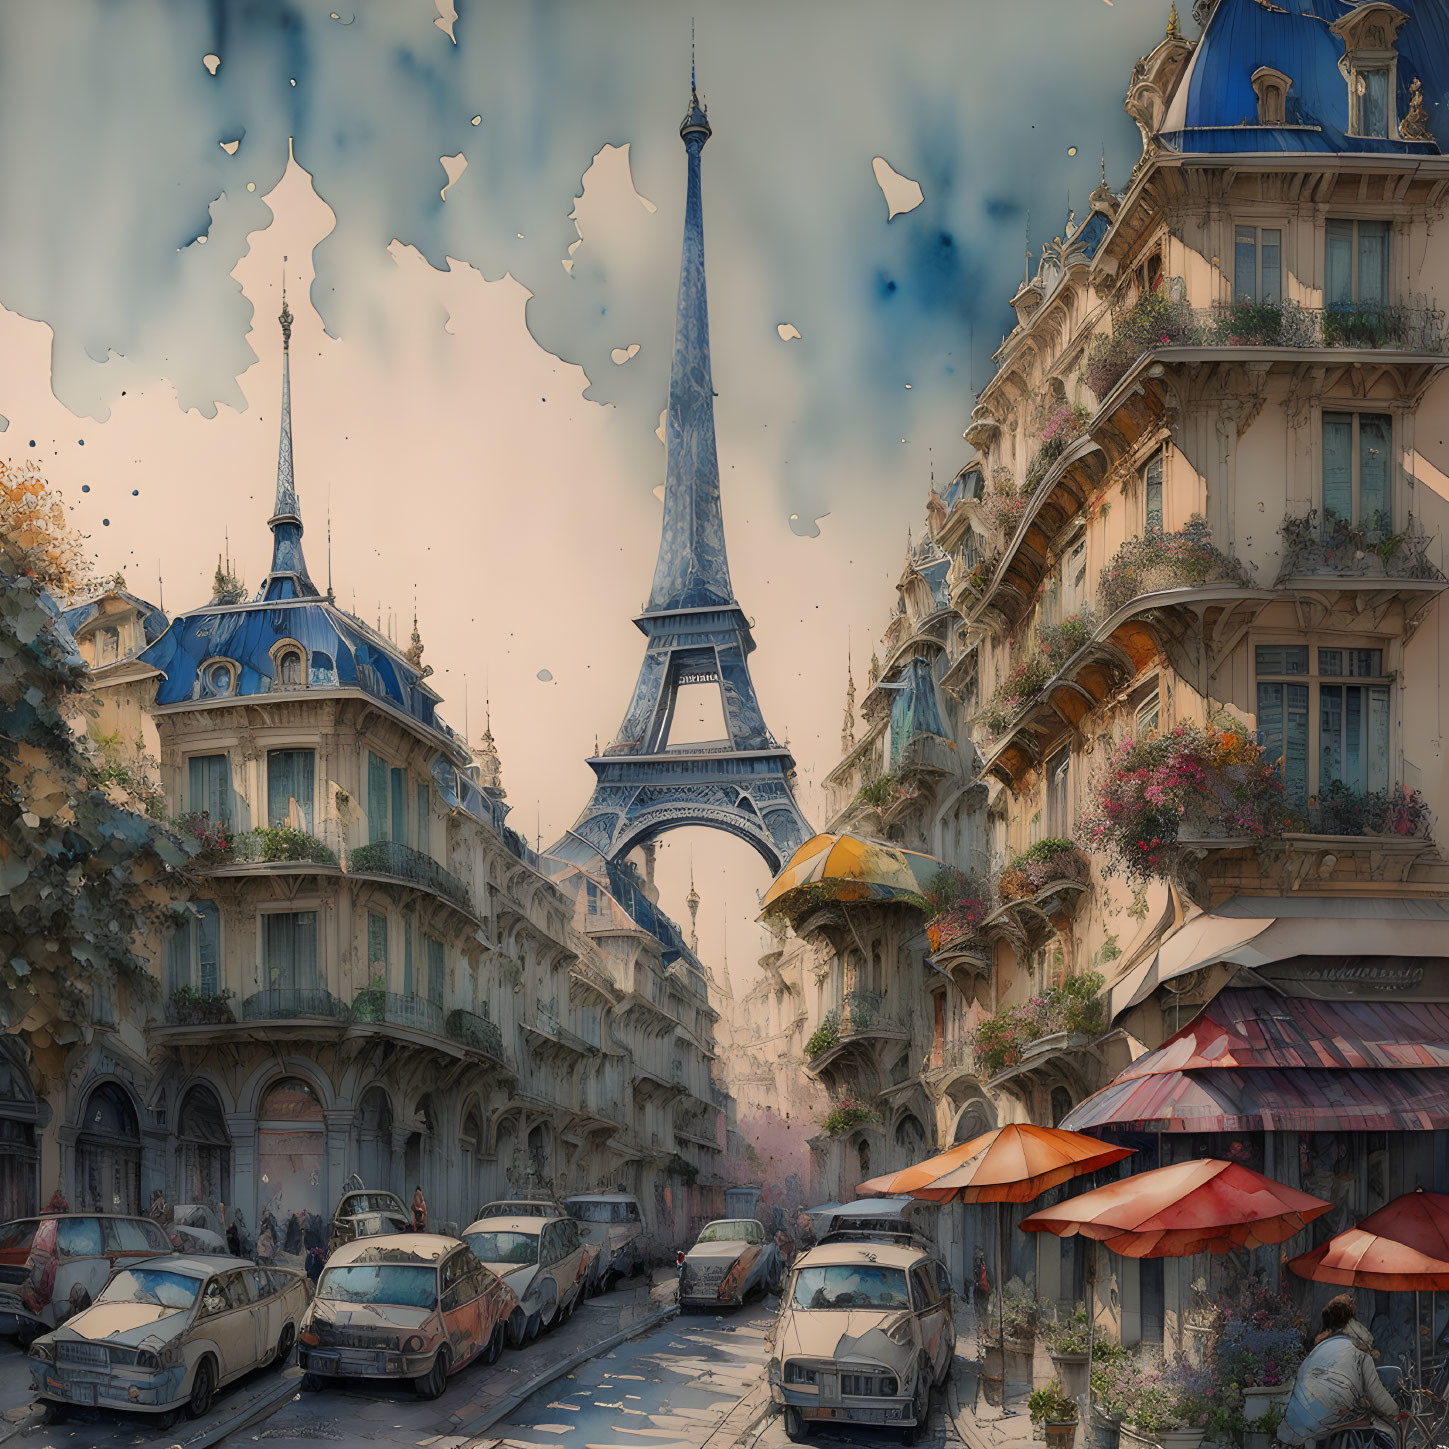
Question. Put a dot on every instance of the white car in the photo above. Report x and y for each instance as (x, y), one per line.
(167, 1332)
(545, 1261)
(614, 1223)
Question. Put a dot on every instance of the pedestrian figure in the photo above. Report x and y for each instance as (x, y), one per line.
(420, 1211)
(1337, 1383)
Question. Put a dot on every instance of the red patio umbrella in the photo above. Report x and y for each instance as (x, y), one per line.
(1015, 1163)
(1201, 1206)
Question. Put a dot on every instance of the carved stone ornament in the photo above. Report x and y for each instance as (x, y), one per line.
(1415, 125)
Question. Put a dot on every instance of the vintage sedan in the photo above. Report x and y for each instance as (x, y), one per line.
(530, 1207)
(367, 1213)
(733, 1258)
(614, 1223)
(413, 1306)
(55, 1265)
(545, 1261)
(167, 1332)
(864, 1333)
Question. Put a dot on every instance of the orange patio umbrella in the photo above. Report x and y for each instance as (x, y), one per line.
(1202, 1206)
(1009, 1164)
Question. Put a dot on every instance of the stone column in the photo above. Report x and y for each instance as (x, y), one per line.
(245, 1170)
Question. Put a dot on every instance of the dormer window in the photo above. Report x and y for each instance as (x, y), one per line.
(1272, 88)
(218, 677)
(1370, 64)
(289, 668)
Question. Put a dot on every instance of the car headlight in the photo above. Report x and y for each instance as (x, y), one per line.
(147, 1360)
(42, 1350)
(415, 1344)
(170, 1355)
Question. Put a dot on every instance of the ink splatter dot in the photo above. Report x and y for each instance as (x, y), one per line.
(105, 523)
(81, 442)
(85, 487)
(1071, 150)
(545, 675)
(135, 493)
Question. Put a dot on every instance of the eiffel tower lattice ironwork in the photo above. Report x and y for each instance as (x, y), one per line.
(697, 633)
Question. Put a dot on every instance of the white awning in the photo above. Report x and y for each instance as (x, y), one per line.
(1279, 928)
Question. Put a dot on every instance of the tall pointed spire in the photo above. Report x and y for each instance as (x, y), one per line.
(288, 578)
(847, 728)
(693, 571)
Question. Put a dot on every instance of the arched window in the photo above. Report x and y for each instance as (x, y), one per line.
(862, 1153)
(291, 671)
(910, 1135)
(471, 1143)
(1061, 1105)
(203, 1149)
(292, 1162)
(374, 1138)
(108, 1152)
(218, 677)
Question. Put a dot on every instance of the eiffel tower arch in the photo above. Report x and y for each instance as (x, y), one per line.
(695, 632)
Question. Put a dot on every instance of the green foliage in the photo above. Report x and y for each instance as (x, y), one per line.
(1022, 1312)
(1158, 319)
(1109, 1363)
(876, 793)
(127, 774)
(82, 880)
(283, 842)
(823, 1037)
(190, 1007)
(1053, 645)
(846, 1114)
(1069, 1335)
(1048, 862)
(370, 1004)
(1156, 561)
(1051, 1406)
(1074, 1007)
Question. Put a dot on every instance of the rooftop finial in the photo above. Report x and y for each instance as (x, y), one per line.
(286, 317)
(1026, 270)
(696, 119)
(1174, 30)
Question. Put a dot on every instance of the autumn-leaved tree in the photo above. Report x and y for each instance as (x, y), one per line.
(82, 879)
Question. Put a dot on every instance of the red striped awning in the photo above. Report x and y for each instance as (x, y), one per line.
(1264, 1029)
(1230, 1099)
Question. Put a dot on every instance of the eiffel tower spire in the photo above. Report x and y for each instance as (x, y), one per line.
(288, 578)
(697, 633)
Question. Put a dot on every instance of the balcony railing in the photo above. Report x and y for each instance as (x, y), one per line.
(392, 858)
(1338, 549)
(268, 845)
(418, 1012)
(1162, 319)
(550, 1025)
(1158, 561)
(476, 1031)
(290, 1004)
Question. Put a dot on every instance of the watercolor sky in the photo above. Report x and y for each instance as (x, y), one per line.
(480, 210)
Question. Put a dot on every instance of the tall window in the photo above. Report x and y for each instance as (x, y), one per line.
(1257, 264)
(377, 798)
(290, 780)
(407, 956)
(1325, 714)
(108, 645)
(425, 819)
(1368, 100)
(1357, 264)
(399, 806)
(193, 951)
(1356, 471)
(291, 672)
(208, 787)
(437, 970)
(289, 950)
(377, 947)
(1074, 579)
(1152, 492)
(1058, 802)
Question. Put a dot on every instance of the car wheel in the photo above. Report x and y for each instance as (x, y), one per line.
(533, 1328)
(167, 1421)
(517, 1329)
(794, 1425)
(494, 1351)
(432, 1383)
(311, 1383)
(284, 1347)
(55, 1413)
(203, 1388)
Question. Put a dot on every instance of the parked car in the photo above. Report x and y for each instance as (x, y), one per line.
(196, 1228)
(863, 1334)
(613, 1223)
(520, 1208)
(414, 1306)
(55, 1265)
(732, 1258)
(545, 1261)
(166, 1332)
(367, 1213)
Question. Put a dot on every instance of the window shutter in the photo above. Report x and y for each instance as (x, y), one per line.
(376, 799)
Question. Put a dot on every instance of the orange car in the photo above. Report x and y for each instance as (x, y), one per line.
(415, 1305)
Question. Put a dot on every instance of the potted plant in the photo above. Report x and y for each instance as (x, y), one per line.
(1021, 1322)
(1109, 1369)
(1068, 1341)
(1171, 1403)
(1056, 1412)
(1259, 1341)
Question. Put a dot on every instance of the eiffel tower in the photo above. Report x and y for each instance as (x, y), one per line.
(697, 633)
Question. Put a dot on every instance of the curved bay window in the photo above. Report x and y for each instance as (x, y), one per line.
(291, 1159)
(203, 1149)
(108, 1153)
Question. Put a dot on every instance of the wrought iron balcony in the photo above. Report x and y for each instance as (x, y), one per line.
(371, 1005)
(292, 1004)
(477, 1032)
(268, 845)
(1337, 549)
(402, 862)
(549, 1025)
(188, 1007)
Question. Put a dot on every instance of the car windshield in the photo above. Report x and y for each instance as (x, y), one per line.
(517, 1210)
(746, 1230)
(370, 1202)
(599, 1212)
(378, 1225)
(851, 1285)
(400, 1284)
(18, 1236)
(503, 1247)
(172, 1291)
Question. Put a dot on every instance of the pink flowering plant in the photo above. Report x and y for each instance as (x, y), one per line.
(1159, 1397)
(1157, 319)
(1074, 1007)
(1041, 865)
(1158, 561)
(959, 903)
(1216, 781)
(1052, 646)
(209, 840)
(1259, 1339)
(1063, 425)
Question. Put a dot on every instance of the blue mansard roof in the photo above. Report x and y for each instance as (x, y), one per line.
(153, 621)
(1215, 109)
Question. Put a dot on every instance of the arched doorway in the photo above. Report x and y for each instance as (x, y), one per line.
(292, 1165)
(862, 1155)
(910, 1139)
(374, 1140)
(108, 1152)
(203, 1149)
(418, 1159)
(19, 1161)
(471, 1150)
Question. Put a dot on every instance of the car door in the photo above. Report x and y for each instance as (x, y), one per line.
(226, 1320)
(930, 1314)
(267, 1308)
(573, 1263)
(82, 1266)
(459, 1304)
